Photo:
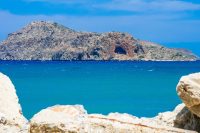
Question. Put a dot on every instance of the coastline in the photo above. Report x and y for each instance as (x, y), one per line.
(101, 60)
(100, 66)
(74, 118)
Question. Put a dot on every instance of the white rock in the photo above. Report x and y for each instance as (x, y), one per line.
(188, 90)
(11, 118)
(181, 117)
(61, 119)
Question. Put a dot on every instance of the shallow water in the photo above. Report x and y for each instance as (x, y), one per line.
(138, 88)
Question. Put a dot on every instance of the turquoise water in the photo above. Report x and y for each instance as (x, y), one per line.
(138, 88)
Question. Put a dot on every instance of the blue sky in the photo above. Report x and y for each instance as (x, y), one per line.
(163, 21)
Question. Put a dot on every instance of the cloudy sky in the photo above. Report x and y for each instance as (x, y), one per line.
(174, 23)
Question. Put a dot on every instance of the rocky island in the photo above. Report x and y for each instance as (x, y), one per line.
(75, 119)
(51, 41)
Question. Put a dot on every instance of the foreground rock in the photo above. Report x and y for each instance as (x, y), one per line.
(51, 41)
(181, 117)
(74, 119)
(11, 118)
(189, 91)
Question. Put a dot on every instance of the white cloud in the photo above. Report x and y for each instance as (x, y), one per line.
(60, 1)
(132, 5)
(156, 28)
(153, 5)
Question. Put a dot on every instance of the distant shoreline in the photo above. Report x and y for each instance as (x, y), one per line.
(99, 61)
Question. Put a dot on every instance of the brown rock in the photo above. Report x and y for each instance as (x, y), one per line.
(188, 90)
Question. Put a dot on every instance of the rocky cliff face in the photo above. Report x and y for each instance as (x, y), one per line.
(51, 41)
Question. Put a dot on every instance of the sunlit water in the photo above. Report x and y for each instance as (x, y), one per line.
(138, 88)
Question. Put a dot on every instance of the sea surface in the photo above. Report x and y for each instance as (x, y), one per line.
(138, 88)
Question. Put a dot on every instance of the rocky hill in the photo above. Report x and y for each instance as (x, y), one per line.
(51, 41)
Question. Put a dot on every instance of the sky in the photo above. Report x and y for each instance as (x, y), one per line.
(174, 23)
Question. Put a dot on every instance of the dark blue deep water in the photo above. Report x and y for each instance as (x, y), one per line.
(138, 88)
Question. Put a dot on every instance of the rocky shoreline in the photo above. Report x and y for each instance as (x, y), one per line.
(185, 118)
(51, 41)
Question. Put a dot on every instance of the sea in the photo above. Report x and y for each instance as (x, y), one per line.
(139, 88)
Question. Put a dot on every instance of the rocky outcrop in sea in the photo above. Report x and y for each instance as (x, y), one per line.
(74, 118)
(51, 41)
